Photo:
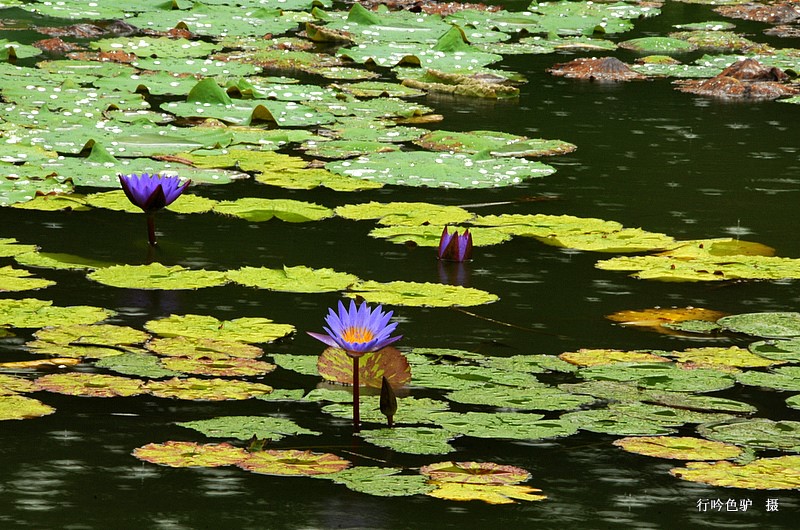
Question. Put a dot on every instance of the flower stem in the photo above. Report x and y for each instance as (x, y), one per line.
(356, 396)
(151, 228)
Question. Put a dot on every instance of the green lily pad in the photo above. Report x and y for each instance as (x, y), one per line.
(793, 402)
(412, 440)
(206, 389)
(302, 364)
(293, 462)
(258, 210)
(494, 142)
(666, 268)
(787, 350)
(661, 376)
(50, 260)
(511, 425)
(767, 325)
(420, 294)
(156, 276)
(138, 364)
(663, 45)
(783, 378)
(679, 447)
(298, 279)
(203, 348)
(637, 419)
(366, 89)
(339, 149)
(458, 377)
(231, 367)
(156, 47)
(429, 235)
(54, 202)
(21, 408)
(245, 427)
(33, 313)
(90, 385)
(12, 279)
(380, 481)
(777, 473)
(216, 20)
(756, 433)
(116, 200)
(335, 365)
(410, 410)
(440, 170)
(190, 454)
(537, 363)
(545, 398)
(725, 41)
(246, 329)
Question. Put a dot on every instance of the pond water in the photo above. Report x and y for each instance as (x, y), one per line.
(648, 156)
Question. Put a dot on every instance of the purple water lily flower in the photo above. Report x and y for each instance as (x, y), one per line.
(152, 193)
(454, 247)
(358, 330)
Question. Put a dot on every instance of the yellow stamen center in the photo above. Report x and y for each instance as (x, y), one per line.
(356, 335)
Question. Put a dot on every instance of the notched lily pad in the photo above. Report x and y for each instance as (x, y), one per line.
(656, 318)
(12, 279)
(756, 433)
(490, 493)
(412, 440)
(190, 454)
(380, 481)
(767, 325)
(778, 473)
(335, 365)
(245, 329)
(156, 276)
(299, 279)
(203, 348)
(90, 385)
(293, 462)
(679, 447)
(246, 427)
(258, 210)
(21, 408)
(420, 294)
(206, 389)
(231, 367)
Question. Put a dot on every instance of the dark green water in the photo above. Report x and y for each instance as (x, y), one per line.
(648, 156)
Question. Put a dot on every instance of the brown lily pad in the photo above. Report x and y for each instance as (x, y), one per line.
(772, 13)
(90, 385)
(475, 473)
(604, 69)
(335, 365)
(746, 79)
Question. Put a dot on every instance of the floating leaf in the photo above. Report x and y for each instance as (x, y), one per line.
(413, 440)
(206, 389)
(59, 261)
(757, 433)
(778, 350)
(21, 408)
(653, 319)
(545, 398)
(90, 385)
(491, 493)
(679, 447)
(661, 376)
(667, 268)
(711, 357)
(594, 357)
(139, 364)
(12, 279)
(231, 367)
(246, 329)
(300, 279)
(156, 276)
(335, 365)
(259, 210)
(190, 454)
(292, 462)
(494, 142)
(475, 473)
(783, 378)
(420, 294)
(203, 348)
(245, 427)
(12, 385)
(456, 377)
(512, 425)
(782, 472)
(405, 213)
(11, 247)
(380, 481)
(767, 325)
(303, 364)
(410, 410)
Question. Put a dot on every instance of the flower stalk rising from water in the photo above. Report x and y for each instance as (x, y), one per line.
(357, 330)
(455, 247)
(151, 193)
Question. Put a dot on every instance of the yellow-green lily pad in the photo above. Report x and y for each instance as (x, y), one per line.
(475, 473)
(156, 276)
(679, 447)
(405, 213)
(490, 493)
(779, 473)
(246, 427)
(293, 462)
(756, 433)
(12, 279)
(190, 454)
(206, 389)
(90, 385)
(203, 348)
(598, 357)
(420, 294)
(20, 408)
(380, 481)
(245, 329)
(711, 356)
(766, 325)
(512, 425)
(257, 210)
(49, 260)
(231, 367)
(299, 279)
(11, 385)
(536, 398)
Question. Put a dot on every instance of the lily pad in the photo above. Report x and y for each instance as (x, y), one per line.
(21, 408)
(231, 367)
(12, 385)
(595, 357)
(380, 481)
(299, 279)
(245, 427)
(420, 294)
(405, 213)
(679, 447)
(654, 319)
(302, 364)
(156, 276)
(138, 364)
(33, 313)
(246, 329)
(777, 473)
(12, 279)
(95, 341)
(90, 385)
(335, 365)
(494, 142)
(190, 454)
(11, 247)
(787, 350)
(410, 410)
(720, 356)
(203, 348)
(441, 170)
(475, 473)
(258, 210)
(510, 425)
(293, 462)
(767, 325)
(490, 493)
(206, 389)
(756, 433)
(783, 378)
(412, 440)
(49, 260)
(545, 398)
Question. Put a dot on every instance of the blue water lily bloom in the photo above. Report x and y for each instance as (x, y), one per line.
(359, 329)
(454, 247)
(152, 192)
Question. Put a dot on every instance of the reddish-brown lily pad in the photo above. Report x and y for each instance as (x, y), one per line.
(190, 454)
(90, 385)
(206, 389)
(335, 365)
(604, 69)
(747, 79)
(475, 473)
(293, 462)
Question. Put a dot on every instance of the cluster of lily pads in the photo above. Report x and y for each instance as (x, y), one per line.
(224, 108)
